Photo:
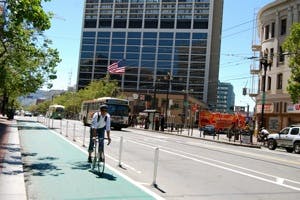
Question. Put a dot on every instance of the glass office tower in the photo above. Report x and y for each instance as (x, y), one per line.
(153, 37)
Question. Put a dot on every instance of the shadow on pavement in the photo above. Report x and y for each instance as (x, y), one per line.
(41, 168)
(86, 166)
(104, 175)
(81, 165)
(48, 158)
(10, 147)
(11, 160)
(4, 146)
(3, 131)
(28, 154)
(21, 126)
(24, 127)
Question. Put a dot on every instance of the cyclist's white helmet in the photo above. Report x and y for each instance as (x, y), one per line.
(103, 107)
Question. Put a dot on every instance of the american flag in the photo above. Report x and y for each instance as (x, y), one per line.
(117, 67)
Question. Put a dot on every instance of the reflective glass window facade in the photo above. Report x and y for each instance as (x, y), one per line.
(154, 37)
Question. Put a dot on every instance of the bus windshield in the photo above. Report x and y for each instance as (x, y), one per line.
(59, 109)
(56, 112)
(118, 110)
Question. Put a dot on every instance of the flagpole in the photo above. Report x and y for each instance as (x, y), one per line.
(117, 68)
(123, 77)
(122, 84)
(108, 76)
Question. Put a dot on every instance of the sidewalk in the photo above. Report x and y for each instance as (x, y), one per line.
(12, 185)
(219, 138)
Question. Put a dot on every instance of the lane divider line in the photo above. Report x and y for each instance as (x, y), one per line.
(248, 153)
(148, 191)
(280, 182)
(236, 171)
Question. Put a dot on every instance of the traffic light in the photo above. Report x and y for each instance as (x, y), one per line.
(244, 91)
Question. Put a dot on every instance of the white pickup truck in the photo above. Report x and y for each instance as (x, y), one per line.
(288, 138)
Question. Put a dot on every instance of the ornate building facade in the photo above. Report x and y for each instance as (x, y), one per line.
(274, 109)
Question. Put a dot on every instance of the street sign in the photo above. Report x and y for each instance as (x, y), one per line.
(135, 96)
(186, 103)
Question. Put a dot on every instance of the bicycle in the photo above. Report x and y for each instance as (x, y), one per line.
(98, 161)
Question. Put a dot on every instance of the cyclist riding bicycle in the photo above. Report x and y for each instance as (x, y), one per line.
(100, 124)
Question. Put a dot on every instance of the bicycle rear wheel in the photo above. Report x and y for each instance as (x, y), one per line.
(101, 163)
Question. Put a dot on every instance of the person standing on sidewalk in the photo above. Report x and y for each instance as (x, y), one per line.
(100, 124)
(156, 123)
(162, 123)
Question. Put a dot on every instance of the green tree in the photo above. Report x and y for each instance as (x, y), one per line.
(100, 88)
(42, 108)
(27, 60)
(292, 46)
(73, 100)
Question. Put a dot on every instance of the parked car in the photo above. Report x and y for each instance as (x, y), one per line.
(28, 114)
(209, 130)
(288, 138)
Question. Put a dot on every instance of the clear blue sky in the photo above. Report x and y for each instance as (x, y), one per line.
(237, 34)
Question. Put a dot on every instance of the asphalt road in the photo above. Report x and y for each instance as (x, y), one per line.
(190, 168)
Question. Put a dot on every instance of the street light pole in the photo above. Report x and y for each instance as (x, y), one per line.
(186, 105)
(154, 99)
(169, 78)
(265, 64)
(154, 95)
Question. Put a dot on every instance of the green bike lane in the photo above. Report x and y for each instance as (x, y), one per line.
(55, 168)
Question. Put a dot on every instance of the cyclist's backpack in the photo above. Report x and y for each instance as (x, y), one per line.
(105, 118)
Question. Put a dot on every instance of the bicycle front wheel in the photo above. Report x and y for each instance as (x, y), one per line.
(94, 163)
(101, 163)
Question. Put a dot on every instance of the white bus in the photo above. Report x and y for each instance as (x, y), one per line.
(56, 112)
(117, 108)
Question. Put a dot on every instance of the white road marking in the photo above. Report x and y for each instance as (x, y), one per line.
(245, 153)
(279, 180)
(240, 172)
(154, 195)
(123, 164)
(195, 158)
